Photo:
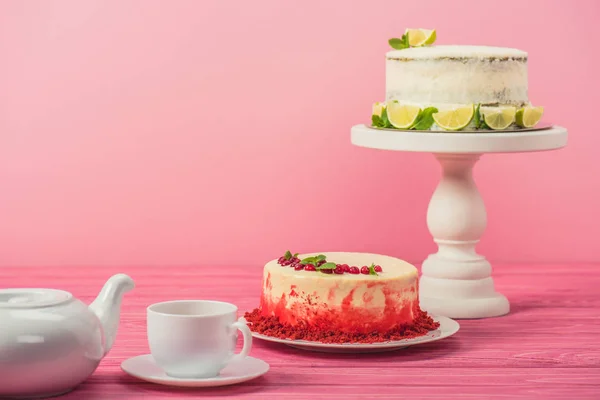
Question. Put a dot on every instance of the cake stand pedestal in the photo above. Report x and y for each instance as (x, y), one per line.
(457, 282)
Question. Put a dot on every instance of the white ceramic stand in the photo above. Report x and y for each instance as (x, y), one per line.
(457, 282)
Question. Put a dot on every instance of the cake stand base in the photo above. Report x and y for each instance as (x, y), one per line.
(467, 308)
(456, 282)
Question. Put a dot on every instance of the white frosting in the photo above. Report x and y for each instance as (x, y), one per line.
(455, 51)
(397, 276)
(439, 75)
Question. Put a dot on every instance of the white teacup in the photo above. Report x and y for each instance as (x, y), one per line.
(195, 338)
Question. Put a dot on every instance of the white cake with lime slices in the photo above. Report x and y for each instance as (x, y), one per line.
(454, 88)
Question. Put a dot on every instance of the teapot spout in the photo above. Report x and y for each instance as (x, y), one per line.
(107, 306)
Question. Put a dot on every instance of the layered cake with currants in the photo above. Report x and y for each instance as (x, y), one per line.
(340, 298)
(454, 87)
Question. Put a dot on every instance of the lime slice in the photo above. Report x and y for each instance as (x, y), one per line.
(454, 119)
(402, 116)
(498, 118)
(378, 108)
(528, 117)
(420, 37)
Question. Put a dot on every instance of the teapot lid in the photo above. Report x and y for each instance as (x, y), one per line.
(31, 298)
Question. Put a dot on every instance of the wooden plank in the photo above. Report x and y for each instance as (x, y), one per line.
(546, 348)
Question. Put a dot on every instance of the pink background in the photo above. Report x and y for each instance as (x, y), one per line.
(199, 132)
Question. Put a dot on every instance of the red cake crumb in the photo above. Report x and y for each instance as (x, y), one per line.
(270, 326)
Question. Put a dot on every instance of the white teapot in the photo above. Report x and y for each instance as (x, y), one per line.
(50, 342)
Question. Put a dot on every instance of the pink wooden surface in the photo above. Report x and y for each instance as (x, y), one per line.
(547, 348)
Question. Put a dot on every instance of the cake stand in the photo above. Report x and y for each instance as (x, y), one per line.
(456, 282)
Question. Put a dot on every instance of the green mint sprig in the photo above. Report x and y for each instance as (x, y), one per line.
(381, 121)
(384, 118)
(399, 44)
(479, 120)
(312, 260)
(376, 121)
(288, 255)
(372, 270)
(327, 265)
(425, 119)
(315, 260)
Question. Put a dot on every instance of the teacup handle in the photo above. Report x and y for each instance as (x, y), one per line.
(242, 327)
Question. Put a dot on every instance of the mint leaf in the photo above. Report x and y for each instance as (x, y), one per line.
(372, 270)
(377, 121)
(308, 260)
(425, 119)
(328, 265)
(384, 119)
(295, 255)
(287, 255)
(479, 120)
(399, 44)
(396, 43)
(312, 260)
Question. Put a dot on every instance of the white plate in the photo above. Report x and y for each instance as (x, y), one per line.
(144, 367)
(539, 127)
(448, 327)
(548, 138)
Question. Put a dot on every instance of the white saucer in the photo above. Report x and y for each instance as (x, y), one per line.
(144, 367)
(448, 327)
